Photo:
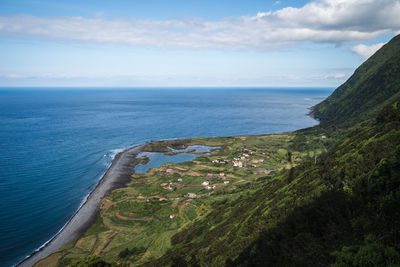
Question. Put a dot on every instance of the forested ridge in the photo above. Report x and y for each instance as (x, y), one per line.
(374, 85)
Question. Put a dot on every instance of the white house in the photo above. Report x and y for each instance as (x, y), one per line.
(238, 164)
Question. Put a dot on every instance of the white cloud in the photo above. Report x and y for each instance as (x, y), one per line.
(322, 21)
(49, 76)
(336, 76)
(366, 50)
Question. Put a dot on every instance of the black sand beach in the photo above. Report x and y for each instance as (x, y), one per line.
(117, 175)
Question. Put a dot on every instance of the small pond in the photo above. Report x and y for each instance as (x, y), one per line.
(159, 158)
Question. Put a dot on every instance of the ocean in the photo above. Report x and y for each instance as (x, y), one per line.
(56, 143)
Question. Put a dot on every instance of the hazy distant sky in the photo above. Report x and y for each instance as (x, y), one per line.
(190, 43)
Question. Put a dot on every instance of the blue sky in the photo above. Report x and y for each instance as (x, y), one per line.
(190, 43)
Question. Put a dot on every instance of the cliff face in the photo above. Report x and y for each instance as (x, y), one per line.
(374, 85)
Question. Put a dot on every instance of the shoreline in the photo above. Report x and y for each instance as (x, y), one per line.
(116, 176)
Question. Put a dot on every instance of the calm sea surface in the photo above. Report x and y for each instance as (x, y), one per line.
(56, 144)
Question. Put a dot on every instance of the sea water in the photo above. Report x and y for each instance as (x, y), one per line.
(55, 144)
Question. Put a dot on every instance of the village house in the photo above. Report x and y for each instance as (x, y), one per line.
(226, 182)
(222, 175)
(179, 179)
(238, 164)
(205, 183)
(210, 175)
(162, 199)
(208, 187)
(170, 171)
(171, 216)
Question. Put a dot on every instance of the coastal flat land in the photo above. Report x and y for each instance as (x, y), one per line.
(116, 176)
(140, 222)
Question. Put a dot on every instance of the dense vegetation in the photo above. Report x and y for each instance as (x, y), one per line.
(363, 174)
(326, 195)
(342, 207)
(374, 85)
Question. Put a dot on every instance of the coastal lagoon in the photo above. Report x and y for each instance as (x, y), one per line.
(156, 159)
(56, 144)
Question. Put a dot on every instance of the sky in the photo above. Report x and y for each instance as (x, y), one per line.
(176, 43)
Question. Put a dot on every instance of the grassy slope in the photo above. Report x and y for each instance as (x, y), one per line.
(363, 174)
(374, 85)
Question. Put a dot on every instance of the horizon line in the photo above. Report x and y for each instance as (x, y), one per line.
(161, 87)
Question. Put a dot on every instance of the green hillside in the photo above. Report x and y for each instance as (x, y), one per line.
(355, 222)
(375, 84)
(342, 207)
